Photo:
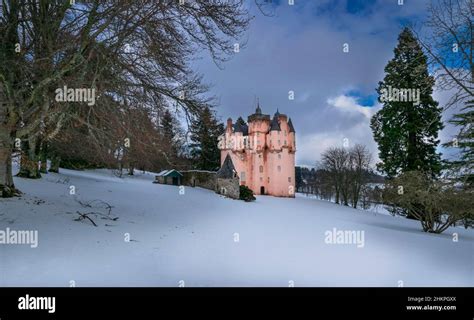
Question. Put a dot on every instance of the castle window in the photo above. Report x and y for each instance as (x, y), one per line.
(285, 133)
(279, 142)
(261, 169)
(242, 176)
(258, 134)
(284, 142)
(279, 168)
(261, 179)
(289, 179)
(268, 179)
(279, 156)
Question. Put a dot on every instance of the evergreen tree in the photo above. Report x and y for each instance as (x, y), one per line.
(169, 131)
(465, 142)
(298, 179)
(167, 125)
(241, 122)
(205, 131)
(406, 128)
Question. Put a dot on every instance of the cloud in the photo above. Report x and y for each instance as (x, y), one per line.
(346, 119)
(349, 105)
(300, 49)
(310, 147)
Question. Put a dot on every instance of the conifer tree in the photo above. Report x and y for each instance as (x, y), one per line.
(241, 121)
(406, 128)
(169, 131)
(205, 131)
(464, 141)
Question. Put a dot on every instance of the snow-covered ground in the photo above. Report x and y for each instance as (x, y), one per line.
(202, 239)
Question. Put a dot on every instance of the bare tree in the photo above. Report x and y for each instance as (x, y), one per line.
(135, 53)
(346, 170)
(335, 161)
(449, 42)
(359, 162)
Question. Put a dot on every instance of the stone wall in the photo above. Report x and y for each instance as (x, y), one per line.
(229, 187)
(208, 180)
(199, 178)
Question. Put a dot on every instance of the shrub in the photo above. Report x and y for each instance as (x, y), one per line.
(246, 194)
(436, 204)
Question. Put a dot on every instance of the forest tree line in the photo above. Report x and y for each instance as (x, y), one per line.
(344, 176)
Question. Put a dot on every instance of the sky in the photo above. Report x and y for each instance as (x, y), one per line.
(300, 49)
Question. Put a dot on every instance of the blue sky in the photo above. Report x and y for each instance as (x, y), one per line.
(300, 49)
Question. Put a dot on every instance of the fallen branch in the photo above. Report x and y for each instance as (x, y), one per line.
(83, 216)
(96, 204)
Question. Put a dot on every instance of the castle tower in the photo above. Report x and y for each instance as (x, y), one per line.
(263, 152)
(258, 128)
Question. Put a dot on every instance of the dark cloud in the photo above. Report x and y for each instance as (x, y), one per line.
(300, 49)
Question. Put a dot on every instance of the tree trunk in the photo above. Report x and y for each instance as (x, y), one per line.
(54, 167)
(44, 158)
(44, 165)
(7, 187)
(29, 166)
(356, 196)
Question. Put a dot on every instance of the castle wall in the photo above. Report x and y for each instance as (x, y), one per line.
(282, 176)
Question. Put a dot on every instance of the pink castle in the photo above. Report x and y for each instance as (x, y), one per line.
(262, 153)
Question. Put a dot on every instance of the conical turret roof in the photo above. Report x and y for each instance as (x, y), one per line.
(227, 171)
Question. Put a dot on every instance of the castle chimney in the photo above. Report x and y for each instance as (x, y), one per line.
(229, 125)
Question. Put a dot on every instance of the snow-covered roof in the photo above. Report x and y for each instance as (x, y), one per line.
(167, 172)
(162, 173)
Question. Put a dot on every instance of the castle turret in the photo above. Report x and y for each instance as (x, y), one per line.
(274, 141)
(292, 138)
(258, 126)
(226, 139)
(275, 125)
